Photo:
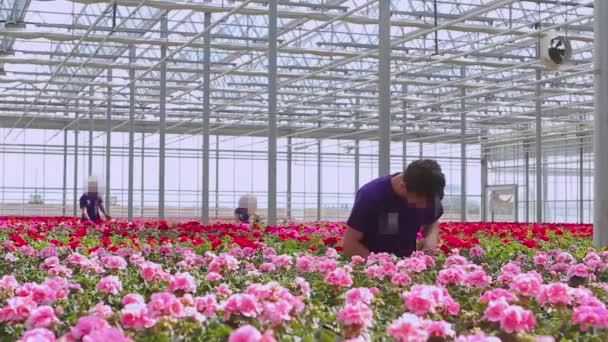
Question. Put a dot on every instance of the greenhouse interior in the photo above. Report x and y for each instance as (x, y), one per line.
(178, 110)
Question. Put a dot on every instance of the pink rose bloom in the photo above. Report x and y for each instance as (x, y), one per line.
(187, 300)
(305, 263)
(8, 282)
(593, 260)
(37, 335)
(495, 309)
(422, 299)
(207, 305)
(428, 260)
(357, 314)
(17, 309)
(401, 279)
(578, 270)
(213, 276)
(304, 286)
(133, 298)
(10, 257)
(408, 328)
(267, 267)
(110, 284)
(495, 294)
(244, 304)
(541, 259)
(508, 271)
(414, 265)
(565, 257)
(452, 275)
(245, 333)
(85, 325)
(106, 334)
(439, 328)
(359, 295)
(150, 272)
(223, 289)
(559, 267)
(184, 282)
(339, 277)
(477, 279)
(479, 337)
(456, 260)
(331, 253)
(27, 250)
(50, 263)
(224, 263)
(114, 262)
(476, 251)
(527, 284)
(356, 260)
(41, 293)
(136, 316)
(41, 317)
(325, 265)
(282, 260)
(594, 316)
(554, 293)
(101, 310)
(515, 319)
(277, 312)
(164, 304)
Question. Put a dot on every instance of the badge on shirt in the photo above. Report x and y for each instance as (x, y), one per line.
(390, 224)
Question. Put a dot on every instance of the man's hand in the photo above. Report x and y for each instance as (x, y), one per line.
(431, 238)
(352, 243)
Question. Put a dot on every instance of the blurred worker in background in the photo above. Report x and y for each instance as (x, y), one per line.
(246, 211)
(91, 203)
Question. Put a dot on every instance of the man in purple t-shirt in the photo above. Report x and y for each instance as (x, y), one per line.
(389, 211)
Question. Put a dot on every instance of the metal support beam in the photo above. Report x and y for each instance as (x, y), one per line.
(75, 212)
(108, 140)
(421, 150)
(143, 167)
(91, 129)
(65, 172)
(404, 135)
(357, 153)
(463, 150)
(206, 116)
(272, 111)
(600, 134)
(581, 181)
(384, 87)
(319, 176)
(289, 157)
(484, 178)
(162, 118)
(132, 52)
(539, 150)
(527, 180)
(217, 176)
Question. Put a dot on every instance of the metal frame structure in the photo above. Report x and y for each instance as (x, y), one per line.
(385, 80)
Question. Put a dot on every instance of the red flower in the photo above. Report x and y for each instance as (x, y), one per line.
(531, 243)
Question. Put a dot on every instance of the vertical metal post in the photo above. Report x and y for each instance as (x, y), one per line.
(65, 171)
(206, 117)
(527, 179)
(581, 180)
(600, 134)
(217, 176)
(421, 150)
(272, 111)
(91, 130)
(162, 119)
(357, 156)
(76, 202)
(319, 176)
(384, 87)
(539, 151)
(404, 135)
(143, 167)
(131, 132)
(463, 150)
(108, 140)
(289, 157)
(484, 179)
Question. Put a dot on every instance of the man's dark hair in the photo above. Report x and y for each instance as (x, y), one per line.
(424, 177)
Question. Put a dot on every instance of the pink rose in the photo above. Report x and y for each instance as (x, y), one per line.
(515, 319)
(101, 310)
(41, 317)
(164, 304)
(37, 335)
(476, 251)
(106, 334)
(479, 337)
(527, 284)
(244, 304)
(477, 279)
(594, 316)
(578, 270)
(136, 316)
(452, 275)
(357, 314)
(339, 277)
(110, 284)
(114, 262)
(554, 293)
(207, 305)
(213, 276)
(184, 282)
(8, 282)
(495, 309)
(85, 325)
(267, 267)
(497, 293)
(133, 298)
(439, 328)
(245, 333)
(408, 328)
(422, 299)
(359, 295)
(304, 286)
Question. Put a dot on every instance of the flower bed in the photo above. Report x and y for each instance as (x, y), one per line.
(159, 281)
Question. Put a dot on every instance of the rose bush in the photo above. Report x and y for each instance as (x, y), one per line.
(61, 279)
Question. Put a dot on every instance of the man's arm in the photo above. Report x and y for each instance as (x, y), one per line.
(103, 210)
(431, 237)
(84, 213)
(352, 243)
